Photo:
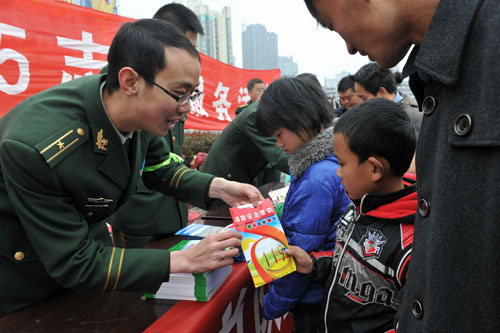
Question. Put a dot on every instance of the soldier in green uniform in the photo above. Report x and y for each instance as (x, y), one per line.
(255, 89)
(239, 153)
(267, 174)
(70, 156)
(159, 214)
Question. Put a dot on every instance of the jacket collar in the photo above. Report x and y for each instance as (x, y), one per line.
(311, 152)
(440, 54)
(400, 206)
(117, 164)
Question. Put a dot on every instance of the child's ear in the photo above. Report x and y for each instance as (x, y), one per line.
(377, 168)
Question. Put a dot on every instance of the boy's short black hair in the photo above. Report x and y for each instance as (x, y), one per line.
(253, 82)
(141, 46)
(181, 16)
(298, 105)
(379, 127)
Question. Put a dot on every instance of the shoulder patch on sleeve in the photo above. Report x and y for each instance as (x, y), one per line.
(62, 143)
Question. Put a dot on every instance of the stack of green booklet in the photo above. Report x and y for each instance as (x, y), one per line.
(191, 287)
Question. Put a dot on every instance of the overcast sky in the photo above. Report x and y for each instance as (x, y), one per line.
(313, 48)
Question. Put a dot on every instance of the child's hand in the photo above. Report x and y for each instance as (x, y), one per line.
(303, 261)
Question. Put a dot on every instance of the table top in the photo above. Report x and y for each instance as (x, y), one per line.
(70, 311)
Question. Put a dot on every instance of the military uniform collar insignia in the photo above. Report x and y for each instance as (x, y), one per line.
(101, 141)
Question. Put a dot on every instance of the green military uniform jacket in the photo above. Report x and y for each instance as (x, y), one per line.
(157, 214)
(240, 152)
(149, 213)
(242, 107)
(63, 169)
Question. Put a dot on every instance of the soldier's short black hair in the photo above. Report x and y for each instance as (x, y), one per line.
(379, 127)
(181, 16)
(297, 105)
(141, 45)
(372, 77)
(252, 83)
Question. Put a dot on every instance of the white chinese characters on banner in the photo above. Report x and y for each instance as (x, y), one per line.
(243, 96)
(197, 106)
(22, 62)
(222, 105)
(88, 47)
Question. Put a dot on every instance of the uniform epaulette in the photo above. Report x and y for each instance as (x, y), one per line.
(243, 106)
(62, 143)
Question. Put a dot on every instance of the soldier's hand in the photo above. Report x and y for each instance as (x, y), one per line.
(212, 252)
(234, 193)
(303, 261)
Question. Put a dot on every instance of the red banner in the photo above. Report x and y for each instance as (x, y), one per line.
(47, 42)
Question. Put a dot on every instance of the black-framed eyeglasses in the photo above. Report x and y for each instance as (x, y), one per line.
(181, 99)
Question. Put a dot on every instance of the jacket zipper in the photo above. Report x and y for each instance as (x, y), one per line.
(338, 264)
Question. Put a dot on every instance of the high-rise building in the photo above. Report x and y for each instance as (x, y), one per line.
(260, 48)
(217, 42)
(288, 66)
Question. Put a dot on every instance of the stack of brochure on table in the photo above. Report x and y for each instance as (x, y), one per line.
(191, 287)
(200, 231)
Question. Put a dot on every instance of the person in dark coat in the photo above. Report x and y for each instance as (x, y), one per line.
(454, 72)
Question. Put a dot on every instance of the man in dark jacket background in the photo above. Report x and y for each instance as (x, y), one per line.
(347, 95)
(452, 281)
(372, 81)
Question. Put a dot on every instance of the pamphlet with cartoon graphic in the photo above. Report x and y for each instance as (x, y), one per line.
(263, 243)
(279, 195)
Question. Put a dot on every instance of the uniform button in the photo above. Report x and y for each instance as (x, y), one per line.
(423, 208)
(417, 309)
(429, 105)
(229, 175)
(80, 131)
(173, 138)
(89, 214)
(19, 256)
(463, 124)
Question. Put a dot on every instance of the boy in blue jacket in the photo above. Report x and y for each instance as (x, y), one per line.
(374, 145)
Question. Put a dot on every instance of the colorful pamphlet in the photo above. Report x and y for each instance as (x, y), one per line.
(263, 243)
(279, 195)
(191, 287)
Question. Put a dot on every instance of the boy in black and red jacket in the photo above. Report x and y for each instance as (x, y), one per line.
(374, 144)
